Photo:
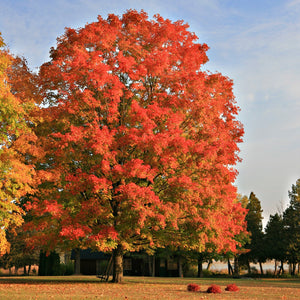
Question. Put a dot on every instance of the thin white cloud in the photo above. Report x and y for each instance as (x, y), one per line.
(292, 4)
(31, 27)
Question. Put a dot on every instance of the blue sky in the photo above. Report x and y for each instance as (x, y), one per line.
(256, 43)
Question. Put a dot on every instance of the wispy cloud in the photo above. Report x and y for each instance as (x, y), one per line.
(292, 4)
(31, 27)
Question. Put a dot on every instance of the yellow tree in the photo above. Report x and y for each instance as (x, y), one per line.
(16, 143)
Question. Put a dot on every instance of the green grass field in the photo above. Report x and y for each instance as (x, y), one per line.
(90, 287)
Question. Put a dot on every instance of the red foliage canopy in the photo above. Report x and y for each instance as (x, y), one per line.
(140, 142)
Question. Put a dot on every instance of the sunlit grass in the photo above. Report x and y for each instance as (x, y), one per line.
(90, 287)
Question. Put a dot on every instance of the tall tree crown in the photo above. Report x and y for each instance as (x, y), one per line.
(254, 216)
(140, 142)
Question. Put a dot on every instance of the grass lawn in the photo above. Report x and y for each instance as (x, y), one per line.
(90, 287)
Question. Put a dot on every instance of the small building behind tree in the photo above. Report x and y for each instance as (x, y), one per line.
(134, 264)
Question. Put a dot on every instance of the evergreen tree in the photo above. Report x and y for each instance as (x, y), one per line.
(275, 245)
(254, 227)
(291, 220)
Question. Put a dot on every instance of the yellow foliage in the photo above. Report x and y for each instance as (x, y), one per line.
(4, 245)
(16, 174)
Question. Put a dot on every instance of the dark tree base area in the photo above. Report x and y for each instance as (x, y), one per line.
(118, 264)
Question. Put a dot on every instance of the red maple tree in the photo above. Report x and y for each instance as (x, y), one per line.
(140, 142)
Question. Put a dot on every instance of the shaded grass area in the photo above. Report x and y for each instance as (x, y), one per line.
(90, 287)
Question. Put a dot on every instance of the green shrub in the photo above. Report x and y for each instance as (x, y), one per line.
(269, 274)
(207, 273)
(62, 269)
(66, 269)
(286, 275)
(191, 271)
(49, 265)
(69, 268)
(254, 270)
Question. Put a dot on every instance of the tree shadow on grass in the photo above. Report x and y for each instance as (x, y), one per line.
(48, 280)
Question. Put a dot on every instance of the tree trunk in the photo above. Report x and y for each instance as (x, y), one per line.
(153, 266)
(24, 270)
(248, 267)
(200, 266)
(293, 268)
(275, 267)
(118, 264)
(151, 260)
(150, 265)
(236, 266)
(77, 261)
(261, 268)
(230, 270)
(29, 269)
(281, 267)
(180, 271)
(208, 265)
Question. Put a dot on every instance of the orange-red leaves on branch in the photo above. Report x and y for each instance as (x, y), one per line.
(141, 143)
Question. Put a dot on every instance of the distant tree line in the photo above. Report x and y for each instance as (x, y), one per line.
(279, 241)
